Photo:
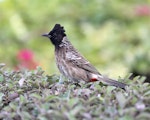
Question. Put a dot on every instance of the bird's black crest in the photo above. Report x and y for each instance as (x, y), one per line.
(57, 34)
(58, 29)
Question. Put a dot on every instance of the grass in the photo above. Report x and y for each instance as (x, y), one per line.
(32, 95)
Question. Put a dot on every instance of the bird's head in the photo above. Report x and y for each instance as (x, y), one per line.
(56, 35)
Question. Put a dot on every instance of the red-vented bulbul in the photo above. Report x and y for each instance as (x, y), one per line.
(71, 63)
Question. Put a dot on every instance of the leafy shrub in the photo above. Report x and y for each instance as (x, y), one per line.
(34, 95)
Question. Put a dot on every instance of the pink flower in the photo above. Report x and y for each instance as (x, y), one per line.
(142, 10)
(26, 60)
(25, 55)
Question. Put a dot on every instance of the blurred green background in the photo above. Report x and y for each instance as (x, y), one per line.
(114, 35)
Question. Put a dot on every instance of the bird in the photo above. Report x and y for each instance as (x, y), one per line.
(73, 65)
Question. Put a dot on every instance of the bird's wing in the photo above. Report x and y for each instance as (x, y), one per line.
(80, 61)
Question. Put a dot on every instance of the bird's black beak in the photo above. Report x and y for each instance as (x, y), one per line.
(46, 35)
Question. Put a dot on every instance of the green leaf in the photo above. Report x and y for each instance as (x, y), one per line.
(1, 96)
(121, 99)
(1, 78)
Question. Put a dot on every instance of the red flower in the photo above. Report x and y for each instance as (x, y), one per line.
(142, 10)
(26, 60)
(25, 55)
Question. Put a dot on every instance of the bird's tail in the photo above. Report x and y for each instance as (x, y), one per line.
(112, 82)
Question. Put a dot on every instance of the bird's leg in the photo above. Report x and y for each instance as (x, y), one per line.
(74, 82)
(61, 79)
